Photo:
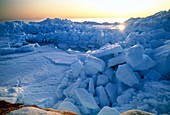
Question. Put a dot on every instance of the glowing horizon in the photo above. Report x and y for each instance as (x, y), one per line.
(39, 9)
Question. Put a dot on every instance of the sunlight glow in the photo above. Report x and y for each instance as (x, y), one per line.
(121, 27)
(19, 9)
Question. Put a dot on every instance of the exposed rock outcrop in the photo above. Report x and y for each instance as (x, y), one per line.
(18, 108)
(136, 112)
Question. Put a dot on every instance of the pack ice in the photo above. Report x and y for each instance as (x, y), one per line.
(78, 67)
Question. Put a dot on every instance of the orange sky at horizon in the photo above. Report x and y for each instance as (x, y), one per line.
(31, 9)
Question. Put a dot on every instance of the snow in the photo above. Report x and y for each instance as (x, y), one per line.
(125, 97)
(151, 95)
(10, 94)
(4, 51)
(126, 75)
(107, 50)
(86, 99)
(32, 72)
(26, 48)
(75, 66)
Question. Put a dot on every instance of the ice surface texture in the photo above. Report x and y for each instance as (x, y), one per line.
(86, 69)
(125, 74)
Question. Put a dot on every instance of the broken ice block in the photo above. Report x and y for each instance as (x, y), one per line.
(125, 74)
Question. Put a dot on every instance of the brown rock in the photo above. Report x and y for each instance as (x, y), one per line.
(6, 107)
(136, 112)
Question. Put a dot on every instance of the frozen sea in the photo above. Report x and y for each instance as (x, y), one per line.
(98, 20)
(61, 64)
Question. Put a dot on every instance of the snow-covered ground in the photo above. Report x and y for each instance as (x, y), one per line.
(85, 68)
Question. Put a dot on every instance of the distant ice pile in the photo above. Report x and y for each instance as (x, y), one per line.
(113, 71)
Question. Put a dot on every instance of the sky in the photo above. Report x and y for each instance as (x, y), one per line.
(34, 9)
